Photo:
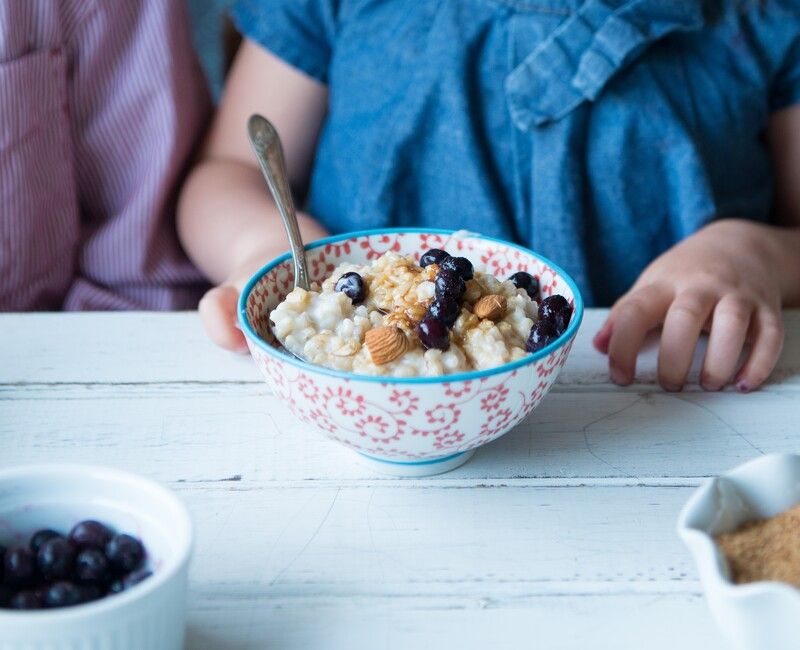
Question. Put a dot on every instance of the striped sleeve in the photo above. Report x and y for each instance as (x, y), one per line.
(138, 102)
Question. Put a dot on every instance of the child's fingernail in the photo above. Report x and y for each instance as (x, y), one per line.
(618, 377)
(742, 386)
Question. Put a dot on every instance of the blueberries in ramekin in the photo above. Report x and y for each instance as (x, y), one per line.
(92, 567)
(128, 581)
(19, 567)
(40, 537)
(55, 558)
(54, 570)
(27, 599)
(90, 534)
(62, 594)
(125, 552)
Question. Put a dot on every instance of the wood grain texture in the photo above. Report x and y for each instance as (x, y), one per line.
(155, 348)
(558, 535)
(231, 621)
(232, 430)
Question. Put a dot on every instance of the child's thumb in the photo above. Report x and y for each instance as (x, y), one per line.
(218, 313)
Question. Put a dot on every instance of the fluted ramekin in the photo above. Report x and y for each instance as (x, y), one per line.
(150, 615)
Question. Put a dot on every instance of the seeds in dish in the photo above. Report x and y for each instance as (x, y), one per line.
(395, 317)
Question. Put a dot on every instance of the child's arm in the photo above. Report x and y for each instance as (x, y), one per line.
(227, 220)
(731, 278)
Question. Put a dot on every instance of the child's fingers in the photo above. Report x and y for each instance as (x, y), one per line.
(603, 337)
(764, 352)
(218, 312)
(682, 326)
(730, 324)
(630, 320)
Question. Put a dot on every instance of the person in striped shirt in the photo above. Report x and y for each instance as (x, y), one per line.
(101, 102)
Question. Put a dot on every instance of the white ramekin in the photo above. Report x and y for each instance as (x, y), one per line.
(150, 616)
(759, 615)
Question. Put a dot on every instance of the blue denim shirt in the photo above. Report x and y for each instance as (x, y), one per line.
(597, 132)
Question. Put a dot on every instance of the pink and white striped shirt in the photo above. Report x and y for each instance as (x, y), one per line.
(101, 102)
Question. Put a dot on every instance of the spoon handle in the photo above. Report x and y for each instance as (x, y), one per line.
(269, 152)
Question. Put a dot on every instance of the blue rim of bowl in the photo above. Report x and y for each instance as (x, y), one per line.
(562, 340)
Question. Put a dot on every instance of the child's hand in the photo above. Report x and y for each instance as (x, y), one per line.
(219, 306)
(725, 279)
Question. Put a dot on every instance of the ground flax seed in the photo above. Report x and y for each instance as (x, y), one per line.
(768, 549)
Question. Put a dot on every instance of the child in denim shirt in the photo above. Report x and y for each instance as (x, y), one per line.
(650, 147)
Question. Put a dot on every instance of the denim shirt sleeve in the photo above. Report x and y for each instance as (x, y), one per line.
(773, 29)
(300, 32)
(786, 87)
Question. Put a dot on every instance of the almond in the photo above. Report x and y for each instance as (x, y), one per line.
(491, 307)
(385, 344)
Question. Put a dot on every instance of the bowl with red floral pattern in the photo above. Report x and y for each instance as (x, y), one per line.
(412, 347)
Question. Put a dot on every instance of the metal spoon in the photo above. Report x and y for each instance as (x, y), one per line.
(269, 153)
(267, 146)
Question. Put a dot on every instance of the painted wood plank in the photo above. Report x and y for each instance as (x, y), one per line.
(246, 621)
(241, 432)
(481, 543)
(153, 347)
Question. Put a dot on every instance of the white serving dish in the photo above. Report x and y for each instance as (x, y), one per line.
(755, 616)
(149, 616)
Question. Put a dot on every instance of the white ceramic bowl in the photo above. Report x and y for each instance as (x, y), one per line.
(759, 615)
(149, 616)
(407, 426)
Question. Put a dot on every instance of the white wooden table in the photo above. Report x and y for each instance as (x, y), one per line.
(558, 535)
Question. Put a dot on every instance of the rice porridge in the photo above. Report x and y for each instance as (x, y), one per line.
(396, 317)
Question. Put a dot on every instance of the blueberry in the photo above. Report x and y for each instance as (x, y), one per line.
(524, 280)
(433, 334)
(27, 600)
(557, 311)
(90, 534)
(449, 286)
(91, 567)
(55, 558)
(62, 594)
(351, 284)
(40, 537)
(125, 552)
(88, 593)
(446, 311)
(542, 333)
(130, 580)
(460, 265)
(19, 566)
(433, 256)
(6, 594)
